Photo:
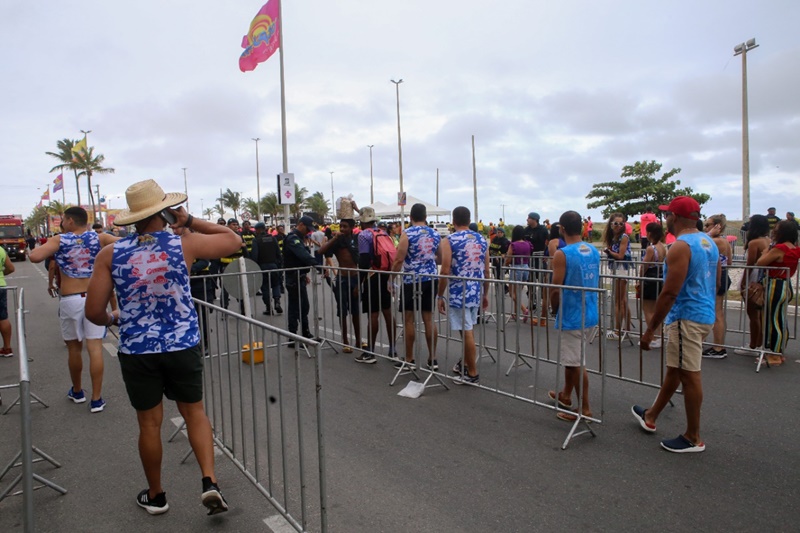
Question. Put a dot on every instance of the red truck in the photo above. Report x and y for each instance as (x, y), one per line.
(12, 236)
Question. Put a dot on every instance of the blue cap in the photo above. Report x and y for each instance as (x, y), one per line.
(534, 215)
(473, 226)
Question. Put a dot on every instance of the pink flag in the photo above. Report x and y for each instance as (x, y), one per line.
(263, 38)
(58, 183)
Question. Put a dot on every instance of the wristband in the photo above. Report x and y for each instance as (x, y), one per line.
(439, 297)
(189, 221)
(111, 320)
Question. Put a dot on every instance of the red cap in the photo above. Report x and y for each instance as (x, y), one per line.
(683, 206)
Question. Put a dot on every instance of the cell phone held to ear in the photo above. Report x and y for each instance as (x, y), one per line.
(167, 215)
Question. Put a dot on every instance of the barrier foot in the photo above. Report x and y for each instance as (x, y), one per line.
(405, 368)
(595, 332)
(573, 431)
(329, 344)
(519, 360)
(762, 360)
(47, 483)
(178, 430)
(187, 454)
(16, 402)
(431, 375)
(488, 354)
(46, 457)
(10, 465)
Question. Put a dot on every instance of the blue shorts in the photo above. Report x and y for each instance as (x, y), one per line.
(462, 318)
(518, 274)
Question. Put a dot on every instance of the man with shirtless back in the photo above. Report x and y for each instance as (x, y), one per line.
(345, 247)
(74, 251)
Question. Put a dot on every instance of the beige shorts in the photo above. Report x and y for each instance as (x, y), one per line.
(74, 324)
(685, 344)
(572, 341)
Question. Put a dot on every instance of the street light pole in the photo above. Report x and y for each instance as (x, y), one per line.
(742, 49)
(503, 206)
(371, 182)
(258, 184)
(185, 188)
(400, 152)
(333, 199)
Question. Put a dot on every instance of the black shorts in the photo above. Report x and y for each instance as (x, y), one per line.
(375, 296)
(424, 300)
(150, 376)
(726, 283)
(3, 304)
(651, 289)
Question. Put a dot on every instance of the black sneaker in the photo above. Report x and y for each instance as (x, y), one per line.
(711, 353)
(278, 308)
(433, 365)
(404, 363)
(157, 505)
(212, 497)
(466, 378)
(366, 358)
(457, 368)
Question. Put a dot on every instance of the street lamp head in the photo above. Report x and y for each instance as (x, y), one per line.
(397, 82)
(751, 43)
(256, 139)
(738, 48)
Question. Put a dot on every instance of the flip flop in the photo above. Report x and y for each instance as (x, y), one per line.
(347, 349)
(553, 396)
(567, 417)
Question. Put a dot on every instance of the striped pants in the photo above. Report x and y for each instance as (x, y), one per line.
(778, 293)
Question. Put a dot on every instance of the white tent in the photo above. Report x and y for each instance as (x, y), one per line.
(383, 210)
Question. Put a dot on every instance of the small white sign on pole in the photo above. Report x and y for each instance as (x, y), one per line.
(286, 189)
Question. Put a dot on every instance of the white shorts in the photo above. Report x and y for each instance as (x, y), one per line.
(571, 342)
(462, 318)
(74, 324)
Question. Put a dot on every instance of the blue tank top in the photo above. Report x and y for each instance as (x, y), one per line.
(583, 270)
(423, 242)
(76, 253)
(697, 299)
(155, 300)
(469, 261)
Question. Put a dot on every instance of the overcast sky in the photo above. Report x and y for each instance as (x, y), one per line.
(559, 95)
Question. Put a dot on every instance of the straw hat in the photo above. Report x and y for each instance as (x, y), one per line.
(146, 198)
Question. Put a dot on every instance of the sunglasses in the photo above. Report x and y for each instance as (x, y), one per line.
(617, 223)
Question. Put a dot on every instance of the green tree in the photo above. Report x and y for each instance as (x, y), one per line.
(37, 220)
(639, 187)
(208, 212)
(299, 199)
(232, 200)
(67, 158)
(316, 203)
(251, 207)
(270, 206)
(89, 164)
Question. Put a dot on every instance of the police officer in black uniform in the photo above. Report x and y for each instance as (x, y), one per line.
(295, 254)
(267, 253)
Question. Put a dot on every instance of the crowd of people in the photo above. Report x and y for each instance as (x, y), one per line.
(149, 276)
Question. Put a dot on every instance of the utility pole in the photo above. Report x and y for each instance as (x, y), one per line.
(258, 184)
(185, 189)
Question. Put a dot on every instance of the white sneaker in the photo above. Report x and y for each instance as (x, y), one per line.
(612, 335)
(744, 350)
(655, 344)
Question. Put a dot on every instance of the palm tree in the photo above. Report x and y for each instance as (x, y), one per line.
(37, 219)
(219, 210)
(316, 203)
(231, 200)
(66, 157)
(208, 212)
(251, 206)
(269, 205)
(90, 164)
(299, 200)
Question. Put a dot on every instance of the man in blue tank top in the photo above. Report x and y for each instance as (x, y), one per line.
(159, 350)
(417, 254)
(464, 255)
(74, 252)
(686, 305)
(575, 265)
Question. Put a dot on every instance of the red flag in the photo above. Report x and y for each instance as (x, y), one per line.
(58, 183)
(263, 38)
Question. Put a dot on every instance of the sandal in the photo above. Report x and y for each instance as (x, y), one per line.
(347, 349)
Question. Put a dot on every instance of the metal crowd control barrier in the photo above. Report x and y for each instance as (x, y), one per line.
(267, 420)
(27, 451)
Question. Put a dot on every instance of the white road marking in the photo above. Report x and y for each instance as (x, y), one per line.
(111, 348)
(278, 524)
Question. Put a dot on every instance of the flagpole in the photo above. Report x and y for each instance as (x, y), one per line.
(63, 192)
(283, 111)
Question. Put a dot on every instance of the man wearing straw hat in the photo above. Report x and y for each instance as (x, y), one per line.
(159, 352)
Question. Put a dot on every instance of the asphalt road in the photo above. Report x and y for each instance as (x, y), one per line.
(457, 460)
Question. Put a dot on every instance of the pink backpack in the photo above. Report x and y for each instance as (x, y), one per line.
(384, 251)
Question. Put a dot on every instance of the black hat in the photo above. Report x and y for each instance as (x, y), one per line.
(232, 221)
